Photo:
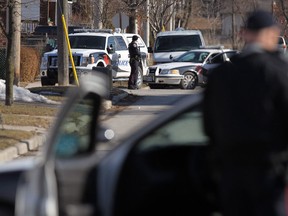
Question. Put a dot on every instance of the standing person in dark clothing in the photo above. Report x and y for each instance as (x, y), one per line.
(246, 119)
(135, 57)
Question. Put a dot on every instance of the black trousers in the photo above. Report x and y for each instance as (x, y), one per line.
(132, 82)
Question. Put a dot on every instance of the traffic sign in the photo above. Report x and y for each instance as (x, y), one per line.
(120, 20)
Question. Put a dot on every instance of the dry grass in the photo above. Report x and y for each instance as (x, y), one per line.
(27, 114)
(11, 137)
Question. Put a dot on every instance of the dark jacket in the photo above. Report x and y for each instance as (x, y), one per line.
(246, 107)
(134, 51)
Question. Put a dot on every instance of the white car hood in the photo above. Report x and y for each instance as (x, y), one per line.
(175, 65)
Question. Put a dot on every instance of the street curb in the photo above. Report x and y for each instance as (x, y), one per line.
(23, 147)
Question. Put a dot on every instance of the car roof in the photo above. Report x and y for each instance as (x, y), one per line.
(90, 34)
(209, 50)
(180, 32)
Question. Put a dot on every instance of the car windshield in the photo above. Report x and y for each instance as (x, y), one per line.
(177, 43)
(193, 56)
(87, 42)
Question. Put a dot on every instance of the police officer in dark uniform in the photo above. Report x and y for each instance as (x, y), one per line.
(135, 57)
(246, 119)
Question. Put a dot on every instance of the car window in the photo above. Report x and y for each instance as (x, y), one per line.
(112, 42)
(212, 56)
(177, 43)
(185, 130)
(195, 57)
(87, 42)
(217, 59)
(230, 54)
(121, 43)
(281, 40)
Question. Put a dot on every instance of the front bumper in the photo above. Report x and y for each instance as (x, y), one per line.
(170, 79)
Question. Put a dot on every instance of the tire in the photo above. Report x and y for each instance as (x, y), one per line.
(190, 81)
(45, 81)
(139, 82)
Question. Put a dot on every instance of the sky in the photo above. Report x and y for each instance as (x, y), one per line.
(23, 95)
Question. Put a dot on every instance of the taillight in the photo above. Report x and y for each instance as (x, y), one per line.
(106, 59)
(199, 69)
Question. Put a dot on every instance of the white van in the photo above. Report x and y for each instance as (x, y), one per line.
(171, 44)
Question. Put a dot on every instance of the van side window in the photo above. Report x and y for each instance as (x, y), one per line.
(121, 43)
(111, 41)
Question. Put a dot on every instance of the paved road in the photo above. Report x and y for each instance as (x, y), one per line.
(145, 109)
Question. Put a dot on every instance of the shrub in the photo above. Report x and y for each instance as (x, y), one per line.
(30, 64)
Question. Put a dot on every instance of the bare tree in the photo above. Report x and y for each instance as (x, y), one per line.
(131, 8)
(237, 11)
(13, 36)
(161, 12)
(280, 11)
(183, 12)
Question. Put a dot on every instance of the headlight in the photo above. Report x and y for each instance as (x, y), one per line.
(167, 71)
(44, 62)
(85, 61)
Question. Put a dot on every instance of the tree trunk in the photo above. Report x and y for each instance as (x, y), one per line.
(13, 49)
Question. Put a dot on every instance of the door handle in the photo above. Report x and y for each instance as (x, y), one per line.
(119, 55)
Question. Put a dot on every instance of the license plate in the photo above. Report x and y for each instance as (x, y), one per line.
(149, 79)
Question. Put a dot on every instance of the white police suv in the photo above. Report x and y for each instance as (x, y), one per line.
(94, 48)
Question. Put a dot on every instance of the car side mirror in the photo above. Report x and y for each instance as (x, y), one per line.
(76, 130)
(110, 49)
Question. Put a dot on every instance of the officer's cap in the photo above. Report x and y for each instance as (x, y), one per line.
(135, 37)
(260, 19)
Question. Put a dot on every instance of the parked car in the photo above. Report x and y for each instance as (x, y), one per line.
(160, 169)
(205, 69)
(182, 71)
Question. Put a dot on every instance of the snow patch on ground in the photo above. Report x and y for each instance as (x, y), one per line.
(22, 94)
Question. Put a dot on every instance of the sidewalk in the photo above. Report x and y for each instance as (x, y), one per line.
(35, 142)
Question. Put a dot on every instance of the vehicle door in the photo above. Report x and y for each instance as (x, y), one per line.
(162, 170)
(123, 57)
(57, 186)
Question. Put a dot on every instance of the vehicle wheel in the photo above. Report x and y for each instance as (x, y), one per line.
(45, 81)
(155, 86)
(139, 78)
(189, 81)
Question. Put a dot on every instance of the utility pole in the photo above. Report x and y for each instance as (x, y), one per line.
(98, 13)
(13, 49)
(63, 55)
(147, 25)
